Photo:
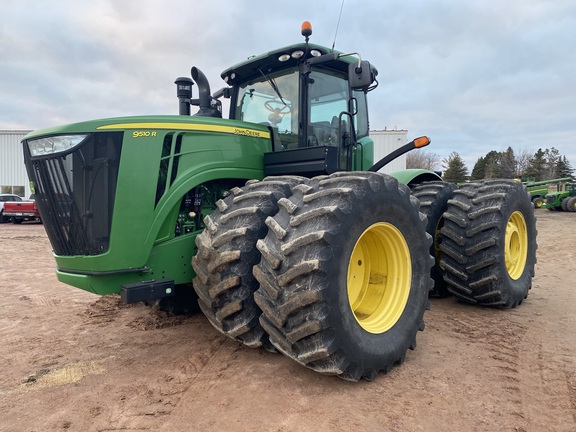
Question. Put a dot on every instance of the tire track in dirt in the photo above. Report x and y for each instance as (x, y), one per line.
(500, 337)
(199, 371)
(145, 407)
(571, 384)
(547, 356)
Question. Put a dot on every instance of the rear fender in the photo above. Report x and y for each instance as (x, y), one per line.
(413, 177)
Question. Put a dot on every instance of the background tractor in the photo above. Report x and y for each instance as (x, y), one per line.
(539, 189)
(275, 221)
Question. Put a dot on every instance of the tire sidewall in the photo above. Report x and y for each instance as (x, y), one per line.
(362, 346)
(518, 289)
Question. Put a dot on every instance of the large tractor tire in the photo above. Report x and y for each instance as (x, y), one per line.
(571, 205)
(489, 246)
(564, 204)
(433, 197)
(345, 274)
(227, 252)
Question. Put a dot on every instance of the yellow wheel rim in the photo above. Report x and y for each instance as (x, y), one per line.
(516, 246)
(379, 277)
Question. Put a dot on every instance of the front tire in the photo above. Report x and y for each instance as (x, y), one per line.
(489, 243)
(344, 279)
(227, 252)
(538, 202)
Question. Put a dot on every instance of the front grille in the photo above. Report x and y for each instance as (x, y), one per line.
(75, 193)
(550, 199)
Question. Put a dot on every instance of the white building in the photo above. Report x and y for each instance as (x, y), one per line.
(13, 176)
(385, 142)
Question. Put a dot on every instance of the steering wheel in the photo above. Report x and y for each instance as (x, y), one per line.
(285, 109)
(276, 113)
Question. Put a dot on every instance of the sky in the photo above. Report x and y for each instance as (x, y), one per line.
(474, 75)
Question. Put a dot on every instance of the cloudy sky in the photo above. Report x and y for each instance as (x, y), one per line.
(474, 75)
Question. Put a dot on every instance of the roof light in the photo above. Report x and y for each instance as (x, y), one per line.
(315, 53)
(297, 54)
(306, 29)
(284, 57)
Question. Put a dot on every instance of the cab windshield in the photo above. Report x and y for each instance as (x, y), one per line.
(272, 100)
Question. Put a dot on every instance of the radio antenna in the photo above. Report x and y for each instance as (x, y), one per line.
(337, 25)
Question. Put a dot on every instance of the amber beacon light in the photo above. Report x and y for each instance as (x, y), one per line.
(306, 29)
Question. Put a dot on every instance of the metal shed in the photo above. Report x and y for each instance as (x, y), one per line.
(13, 176)
(385, 142)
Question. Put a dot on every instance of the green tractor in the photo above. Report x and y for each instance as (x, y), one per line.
(539, 189)
(564, 200)
(276, 221)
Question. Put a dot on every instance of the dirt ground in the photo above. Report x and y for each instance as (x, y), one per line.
(73, 361)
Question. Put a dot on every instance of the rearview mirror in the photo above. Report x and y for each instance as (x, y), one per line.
(361, 75)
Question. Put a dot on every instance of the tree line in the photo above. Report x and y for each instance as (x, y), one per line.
(543, 165)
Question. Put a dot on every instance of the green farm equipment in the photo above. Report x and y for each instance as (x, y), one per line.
(276, 221)
(564, 200)
(539, 189)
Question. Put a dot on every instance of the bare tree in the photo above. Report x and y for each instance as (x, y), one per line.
(552, 157)
(423, 159)
(523, 157)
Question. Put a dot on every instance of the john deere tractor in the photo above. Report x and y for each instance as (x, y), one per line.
(564, 200)
(276, 221)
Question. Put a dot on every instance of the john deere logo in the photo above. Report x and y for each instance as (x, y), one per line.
(247, 132)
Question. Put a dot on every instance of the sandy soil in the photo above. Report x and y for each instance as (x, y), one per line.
(73, 361)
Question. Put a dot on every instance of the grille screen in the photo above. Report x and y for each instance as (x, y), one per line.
(75, 193)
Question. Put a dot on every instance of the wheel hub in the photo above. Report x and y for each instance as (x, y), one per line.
(516, 245)
(379, 277)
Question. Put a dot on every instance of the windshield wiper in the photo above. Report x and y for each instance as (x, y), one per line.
(273, 85)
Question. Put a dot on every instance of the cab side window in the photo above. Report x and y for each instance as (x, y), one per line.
(328, 97)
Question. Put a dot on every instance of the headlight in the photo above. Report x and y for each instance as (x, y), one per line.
(297, 54)
(54, 144)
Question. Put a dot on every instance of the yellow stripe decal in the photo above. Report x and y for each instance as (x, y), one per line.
(190, 127)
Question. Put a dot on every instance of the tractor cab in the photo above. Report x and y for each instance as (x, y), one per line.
(312, 99)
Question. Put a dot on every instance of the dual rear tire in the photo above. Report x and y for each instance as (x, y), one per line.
(489, 246)
(433, 197)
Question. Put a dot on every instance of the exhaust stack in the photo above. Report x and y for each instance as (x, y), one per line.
(204, 98)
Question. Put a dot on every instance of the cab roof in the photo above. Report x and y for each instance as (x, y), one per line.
(271, 61)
